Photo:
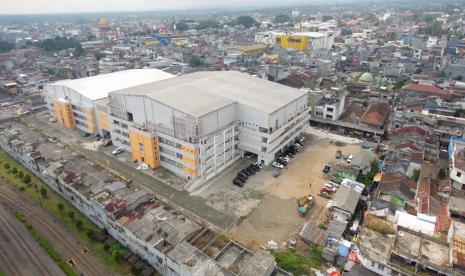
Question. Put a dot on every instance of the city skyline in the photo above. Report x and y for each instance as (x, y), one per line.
(87, 6)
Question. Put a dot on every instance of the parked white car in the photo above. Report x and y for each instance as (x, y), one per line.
(331, 187)
(277, 165)
(349, 158)
(118, 151)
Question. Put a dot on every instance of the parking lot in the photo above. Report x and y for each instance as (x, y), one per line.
(275, 216)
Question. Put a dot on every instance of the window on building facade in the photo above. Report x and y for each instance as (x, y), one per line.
(294, 40)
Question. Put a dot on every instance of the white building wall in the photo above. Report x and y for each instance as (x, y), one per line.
(135, 106)
(251, 117)
(217, 120)
(374, 266)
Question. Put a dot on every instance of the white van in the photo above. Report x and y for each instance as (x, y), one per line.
(349, 158)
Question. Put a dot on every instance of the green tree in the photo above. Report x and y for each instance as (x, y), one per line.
(117, 255)
(20, 174)
(246, 21)
(399, 84)
(195, 61)
(282, 18)
(99, 55)
(7, 166)
(14, 170)
(60, 43)
(442, 174)
(459, 78)
(433, 28)
(6, 46)
(71, 214)
(90, 233)
(106, 247)
(346, 31)
(27, 179)
(459, 113)
(428, 18)
(43, 192)
(208, 24)
(181, 26)
(79, 224)
(391, 36)
(327, 18)
(79, 50)
(61, 207)
(371, 17)
(367, 179)
(415, 175)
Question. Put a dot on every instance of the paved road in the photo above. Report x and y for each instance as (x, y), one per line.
(194, 204)
(64, 242)
(20, 254)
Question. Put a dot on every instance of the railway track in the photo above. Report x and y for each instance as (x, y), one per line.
(10, 264)
(4, 220)
(83, 263)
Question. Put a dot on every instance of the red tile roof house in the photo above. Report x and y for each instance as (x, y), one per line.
(421, 90)
(409, 152)
(396, 184)
(411, 134)
(376, 115)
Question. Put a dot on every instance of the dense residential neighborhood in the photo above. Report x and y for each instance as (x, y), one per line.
(319, 139)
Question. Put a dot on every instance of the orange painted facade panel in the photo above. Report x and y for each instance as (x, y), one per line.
(144, 148)
(64, 114)
(104, 123)
(190, 164)
(188, 149)
(91, 123)
(190, 171)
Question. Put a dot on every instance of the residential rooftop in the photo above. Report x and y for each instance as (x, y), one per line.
(374, 245)
(138, 212)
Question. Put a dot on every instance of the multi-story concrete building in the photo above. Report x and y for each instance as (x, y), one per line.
(302, 41)
(457, 162)
(330, 106)
(198, 124)
(171, 242)
(82, 103)
(195, 125)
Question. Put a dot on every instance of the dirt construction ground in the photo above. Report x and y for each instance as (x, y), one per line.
(276, 217)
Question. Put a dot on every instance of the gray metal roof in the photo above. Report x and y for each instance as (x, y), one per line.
(347, 196)
(200, 93)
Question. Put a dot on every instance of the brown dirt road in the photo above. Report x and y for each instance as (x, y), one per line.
(276, 218)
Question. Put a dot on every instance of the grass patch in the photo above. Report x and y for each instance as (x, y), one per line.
(46, 246)
(298, 264)
(51, 203)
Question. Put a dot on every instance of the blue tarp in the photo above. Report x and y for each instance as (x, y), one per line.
(343, 250)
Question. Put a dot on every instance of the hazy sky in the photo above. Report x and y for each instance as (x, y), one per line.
(66, 6)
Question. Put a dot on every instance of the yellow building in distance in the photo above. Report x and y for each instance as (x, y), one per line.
(301, 41)
(297, 42)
